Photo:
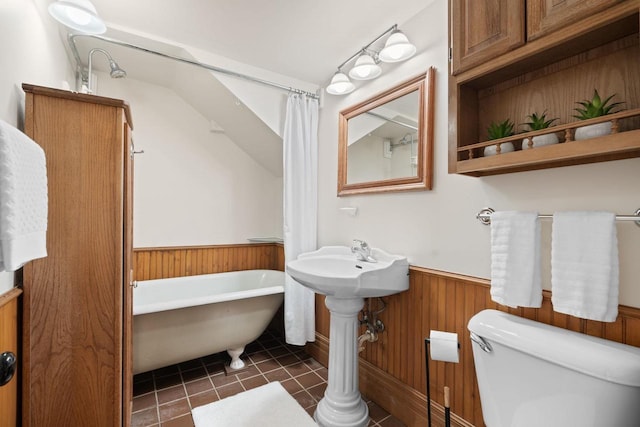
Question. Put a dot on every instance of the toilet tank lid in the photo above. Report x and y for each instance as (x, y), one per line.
(597, 357)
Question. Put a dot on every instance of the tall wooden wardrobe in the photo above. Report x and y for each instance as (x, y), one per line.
(77, 313)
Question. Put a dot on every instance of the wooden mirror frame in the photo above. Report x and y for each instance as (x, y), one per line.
(424, 84)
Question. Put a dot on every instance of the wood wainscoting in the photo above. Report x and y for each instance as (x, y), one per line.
(392, 370)
(179, 261)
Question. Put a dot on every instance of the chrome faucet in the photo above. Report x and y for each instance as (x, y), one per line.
(362, 251)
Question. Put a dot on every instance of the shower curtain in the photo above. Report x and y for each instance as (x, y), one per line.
(300, 161)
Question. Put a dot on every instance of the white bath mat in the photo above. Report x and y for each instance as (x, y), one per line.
(269, 405)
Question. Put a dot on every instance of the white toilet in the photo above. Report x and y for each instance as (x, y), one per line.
(533, 375)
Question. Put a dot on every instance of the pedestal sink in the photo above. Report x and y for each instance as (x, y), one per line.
(336, 272)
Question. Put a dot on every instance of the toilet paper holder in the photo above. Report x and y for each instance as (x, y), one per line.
(427, 341)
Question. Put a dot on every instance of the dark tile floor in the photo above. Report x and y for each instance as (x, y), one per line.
(165, 397)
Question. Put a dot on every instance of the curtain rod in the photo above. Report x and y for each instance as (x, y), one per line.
(74, 49)
(380, 116)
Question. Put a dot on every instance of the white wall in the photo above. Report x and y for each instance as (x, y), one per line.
(437, 229)
(31, 51)
(191, 186)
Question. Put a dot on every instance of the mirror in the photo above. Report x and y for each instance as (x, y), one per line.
(386, 142)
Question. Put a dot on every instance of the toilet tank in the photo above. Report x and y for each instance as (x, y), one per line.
(532, 375)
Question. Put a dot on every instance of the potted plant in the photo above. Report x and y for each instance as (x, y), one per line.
(591, 108)
(497, 131)
(539, 122)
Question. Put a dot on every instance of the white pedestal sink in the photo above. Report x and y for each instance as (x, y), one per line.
(336, 272)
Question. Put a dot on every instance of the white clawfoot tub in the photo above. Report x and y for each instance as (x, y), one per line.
(183, 318)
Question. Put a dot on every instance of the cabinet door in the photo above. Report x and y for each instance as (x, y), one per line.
(9, 343)
(484, 29)
(73, 298)
(546, 16)
(127, 366)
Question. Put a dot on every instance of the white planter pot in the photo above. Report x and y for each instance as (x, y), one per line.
(540, 141)
(593, 131)
(505, 147)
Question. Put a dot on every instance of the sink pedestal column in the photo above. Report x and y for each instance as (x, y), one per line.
(342, 405)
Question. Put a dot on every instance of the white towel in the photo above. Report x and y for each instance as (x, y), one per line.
(515, 259)
(23, 199)
(584, 265)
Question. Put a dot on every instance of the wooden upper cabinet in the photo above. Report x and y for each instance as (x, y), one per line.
(580, 45)
(484, 29)
(546, 16)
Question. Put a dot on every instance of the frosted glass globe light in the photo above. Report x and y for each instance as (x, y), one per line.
(365, 68)
(397, 48)
(79, 15)
(340, 84)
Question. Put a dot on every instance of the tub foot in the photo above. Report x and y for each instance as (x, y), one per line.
(236, 362)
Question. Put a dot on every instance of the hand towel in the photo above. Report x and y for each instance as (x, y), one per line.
(584, 265)
(23, 199)
(515, 259)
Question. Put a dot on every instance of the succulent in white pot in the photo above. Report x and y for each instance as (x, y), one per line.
(497, 131)
(539, 122)
(592, 108)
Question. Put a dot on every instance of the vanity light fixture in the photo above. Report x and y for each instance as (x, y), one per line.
(79, 15)
(396, 48)
(365, 68)
(340, 84)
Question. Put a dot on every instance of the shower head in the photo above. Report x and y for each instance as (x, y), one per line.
(406, 139)
(116, 72)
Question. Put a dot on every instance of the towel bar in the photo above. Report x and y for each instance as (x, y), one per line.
(484, 216)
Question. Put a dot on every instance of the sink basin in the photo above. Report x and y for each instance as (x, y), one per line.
(335, 271)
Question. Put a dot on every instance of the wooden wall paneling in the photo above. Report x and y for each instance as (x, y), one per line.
(632, 331)
(416, 282)
(280, 256)
(157, 263)
(458, 400)
(613, 331)
(436, 300)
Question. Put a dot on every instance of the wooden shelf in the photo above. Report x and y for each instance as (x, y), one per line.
(605, 148)
(550, 74)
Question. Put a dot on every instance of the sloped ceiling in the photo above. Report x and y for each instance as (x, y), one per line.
(300, 42)
(303, 39)
(198, 87)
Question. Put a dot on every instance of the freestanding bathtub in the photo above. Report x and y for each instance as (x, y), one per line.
(183, 318)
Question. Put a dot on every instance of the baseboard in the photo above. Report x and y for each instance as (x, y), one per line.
(397, 398)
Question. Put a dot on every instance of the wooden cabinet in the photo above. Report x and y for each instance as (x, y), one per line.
(77, 301)
(484, 30)
(9, 344)
(597, 47)
(546, 16)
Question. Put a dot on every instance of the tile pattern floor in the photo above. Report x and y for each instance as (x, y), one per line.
(165, 397)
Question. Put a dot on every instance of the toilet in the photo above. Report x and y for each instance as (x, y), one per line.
(531, 374)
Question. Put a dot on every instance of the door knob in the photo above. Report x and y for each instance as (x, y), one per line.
(7, 367)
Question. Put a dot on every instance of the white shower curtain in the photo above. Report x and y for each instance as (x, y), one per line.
(300, 210)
